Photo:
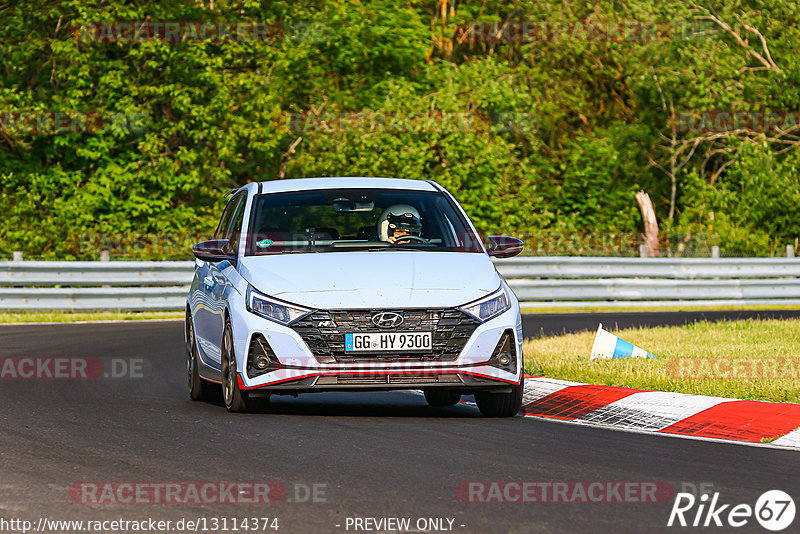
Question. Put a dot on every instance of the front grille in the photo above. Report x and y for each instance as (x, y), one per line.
(323, 332)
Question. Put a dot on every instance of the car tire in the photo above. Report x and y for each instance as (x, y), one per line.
(235, 399)
(442, 397)
(199, 389)
(502, 404)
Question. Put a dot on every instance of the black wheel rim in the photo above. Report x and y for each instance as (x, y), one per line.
(190, 357)
(228, 369)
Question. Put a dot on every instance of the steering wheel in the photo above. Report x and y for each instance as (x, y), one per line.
(411, 238)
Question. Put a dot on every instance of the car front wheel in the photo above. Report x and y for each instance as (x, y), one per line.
(502, 404)
(235, 399)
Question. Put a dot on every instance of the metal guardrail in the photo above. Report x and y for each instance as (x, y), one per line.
(686, 268)
(94, 285)
(551, 282)
(540, 282)
(88, 273)
(94, 298)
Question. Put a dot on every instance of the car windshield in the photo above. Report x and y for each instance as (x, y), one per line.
(332, 220)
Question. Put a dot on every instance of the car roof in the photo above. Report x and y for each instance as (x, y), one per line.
(302, 184)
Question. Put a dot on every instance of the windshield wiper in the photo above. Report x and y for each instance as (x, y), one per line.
(407, 247)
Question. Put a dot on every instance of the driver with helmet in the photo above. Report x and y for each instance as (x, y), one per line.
(400, 223)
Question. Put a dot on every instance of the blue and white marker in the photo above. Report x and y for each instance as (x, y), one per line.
(608, 346)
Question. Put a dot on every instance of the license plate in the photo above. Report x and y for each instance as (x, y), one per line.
(388, 342)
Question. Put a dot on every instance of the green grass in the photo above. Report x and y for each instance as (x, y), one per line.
(749, 359)
(71, 317)
(633, 307)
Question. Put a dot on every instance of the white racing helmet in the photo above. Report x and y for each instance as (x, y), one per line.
(397, 210)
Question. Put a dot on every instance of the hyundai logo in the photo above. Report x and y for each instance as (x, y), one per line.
(387, 319)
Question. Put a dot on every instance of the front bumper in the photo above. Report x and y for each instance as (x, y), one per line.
(383, 379)
(462, 360)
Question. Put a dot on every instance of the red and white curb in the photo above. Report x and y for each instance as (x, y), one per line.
(680, 414)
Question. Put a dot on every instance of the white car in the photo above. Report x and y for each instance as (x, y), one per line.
(364, 284)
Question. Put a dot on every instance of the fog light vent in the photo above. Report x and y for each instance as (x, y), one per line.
(505, 354)
(261, 358)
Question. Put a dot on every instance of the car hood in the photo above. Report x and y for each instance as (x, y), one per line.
(380, 279)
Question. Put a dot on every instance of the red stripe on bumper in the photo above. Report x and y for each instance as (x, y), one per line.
(740, 420)
(242, 386)
(576, 401)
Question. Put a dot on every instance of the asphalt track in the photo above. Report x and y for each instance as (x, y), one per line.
(377, 454)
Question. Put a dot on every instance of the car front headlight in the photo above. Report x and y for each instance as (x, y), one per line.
(272, 309)
(488, 307)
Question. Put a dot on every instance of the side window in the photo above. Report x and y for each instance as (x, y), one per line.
(223, 228)
(235, 231)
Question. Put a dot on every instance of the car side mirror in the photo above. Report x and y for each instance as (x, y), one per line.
(214, 250)
(501, 246)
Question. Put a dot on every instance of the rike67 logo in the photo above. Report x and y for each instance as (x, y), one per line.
(774, 510)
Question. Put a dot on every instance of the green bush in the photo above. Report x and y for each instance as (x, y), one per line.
(562, 133)
(750, 207)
